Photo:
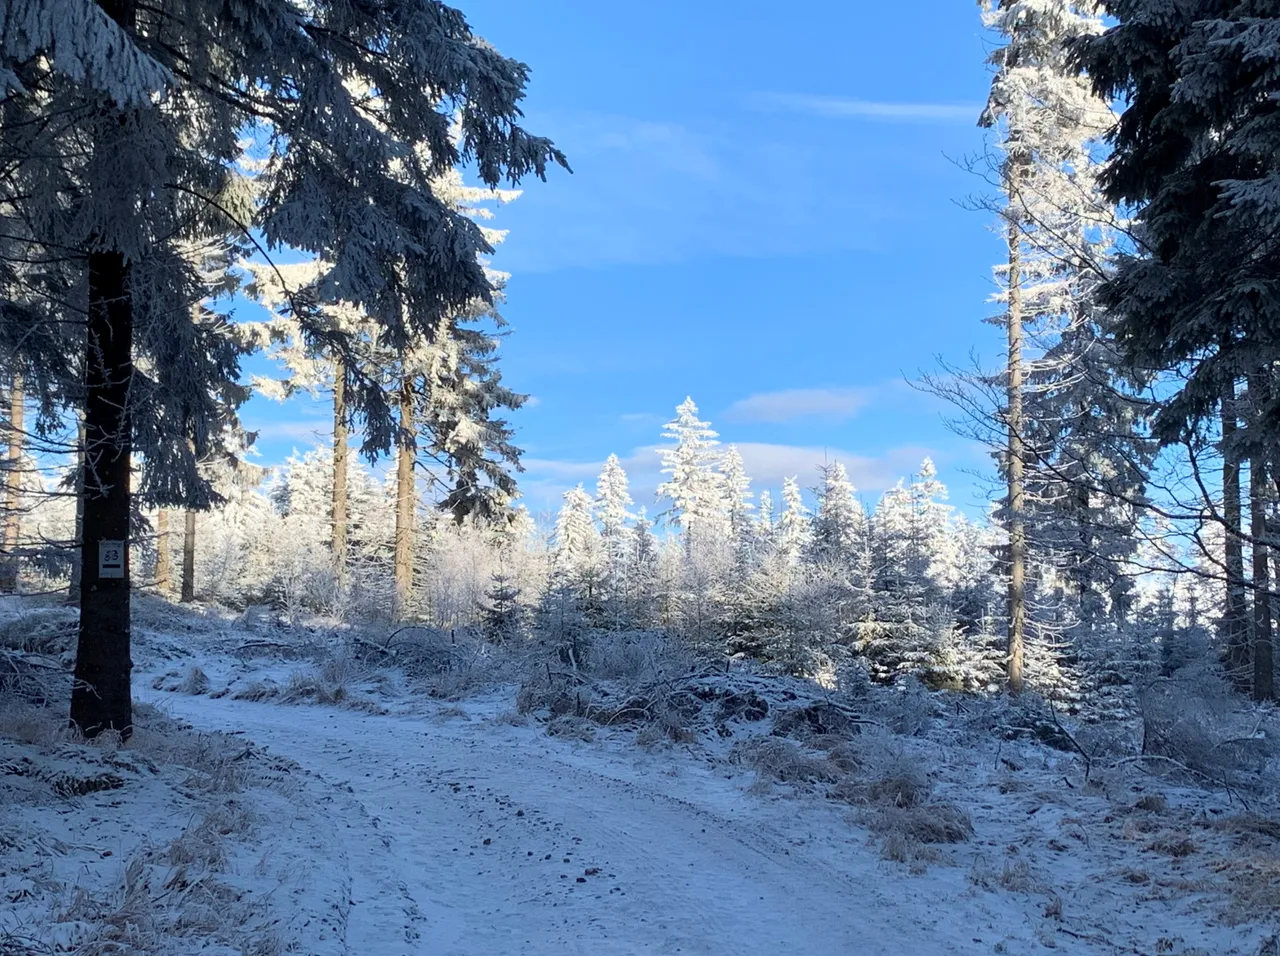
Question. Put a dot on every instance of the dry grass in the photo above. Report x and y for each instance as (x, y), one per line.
(1251, 829)
(568, 727)
(775, 759)
(1172, 843)
(900, 848)
(196, 682)
(31, 725)
(170, 898)
(1253, 887)
(931, 823)
(1152, 803)
(329, 684)
(901, 790)
(256, 691)
(1014, 875)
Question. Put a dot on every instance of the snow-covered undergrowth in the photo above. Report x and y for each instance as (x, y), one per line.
(158, 846)
(985, 825)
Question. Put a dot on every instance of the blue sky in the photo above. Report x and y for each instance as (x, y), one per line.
(765, 213)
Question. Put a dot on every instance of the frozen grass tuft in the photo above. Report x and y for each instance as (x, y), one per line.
(932, 823)
(1172, 843)
(1014, 875)
(196, 682)
(569, 727)
(255, 690)
(778, 760)
(1152, 803)
(1253, 887)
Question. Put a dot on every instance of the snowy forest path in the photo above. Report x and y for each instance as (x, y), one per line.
(471, 838)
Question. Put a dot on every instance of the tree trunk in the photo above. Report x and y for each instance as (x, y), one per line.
(1083, 561)
(100, 697)
(339, 504)
(1017, 502)
(1258, 502)
(188, 557)
(13, 490)
(1235, 623)
(405, 500)
(77, 562)
(164, 560)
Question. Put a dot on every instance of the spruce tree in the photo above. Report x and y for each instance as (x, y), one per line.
(1198, 296)
(351, 147)
(840, 524)
(694, 486)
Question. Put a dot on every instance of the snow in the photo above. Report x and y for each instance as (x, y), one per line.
(391, 822)
(484, 838)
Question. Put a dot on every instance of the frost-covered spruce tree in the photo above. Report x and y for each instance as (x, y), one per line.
(765, 527)
(613, 498)
(503, 616)
(1049, 124)
(792, 533)
(128, 167)
(839, 525)
(308, 368)
(738, 507)
(612, 501)
(910, 622)
(577, 552)
(694, 486)
(645, 603)
(1194, 154)
(463, 443)
(1086, 457)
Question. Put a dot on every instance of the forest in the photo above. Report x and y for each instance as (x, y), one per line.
(207, 204)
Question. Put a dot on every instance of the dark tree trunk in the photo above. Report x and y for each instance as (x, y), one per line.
(100, 699)
(405, 502)
(1016, 461)
(13, 490)
(188, 557)
(77, 562)
(339, 503)
(164, 560)
(1235, 621)
(1259, 495)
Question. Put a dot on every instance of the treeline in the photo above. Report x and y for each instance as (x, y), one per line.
(814, 584)
(160, 160)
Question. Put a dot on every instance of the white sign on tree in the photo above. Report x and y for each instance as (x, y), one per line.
(110, 559)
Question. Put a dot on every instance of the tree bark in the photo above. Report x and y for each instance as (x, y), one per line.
(405, 500)
(1259, 495)
(188, 557)
(13, 489)
(77, 562)
(100, 697)
(1235, 622)
(339, 504)
(1016, 492)
(164, 560)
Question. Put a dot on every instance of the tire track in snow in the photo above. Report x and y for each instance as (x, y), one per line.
(463, 842)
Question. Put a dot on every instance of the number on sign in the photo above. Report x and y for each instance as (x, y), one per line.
(111, 559)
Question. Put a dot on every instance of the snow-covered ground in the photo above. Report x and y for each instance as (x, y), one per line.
(387, 822)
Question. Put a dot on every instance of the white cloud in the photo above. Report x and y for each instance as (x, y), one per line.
(840, 107)
(768, 464)
(835, 404)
